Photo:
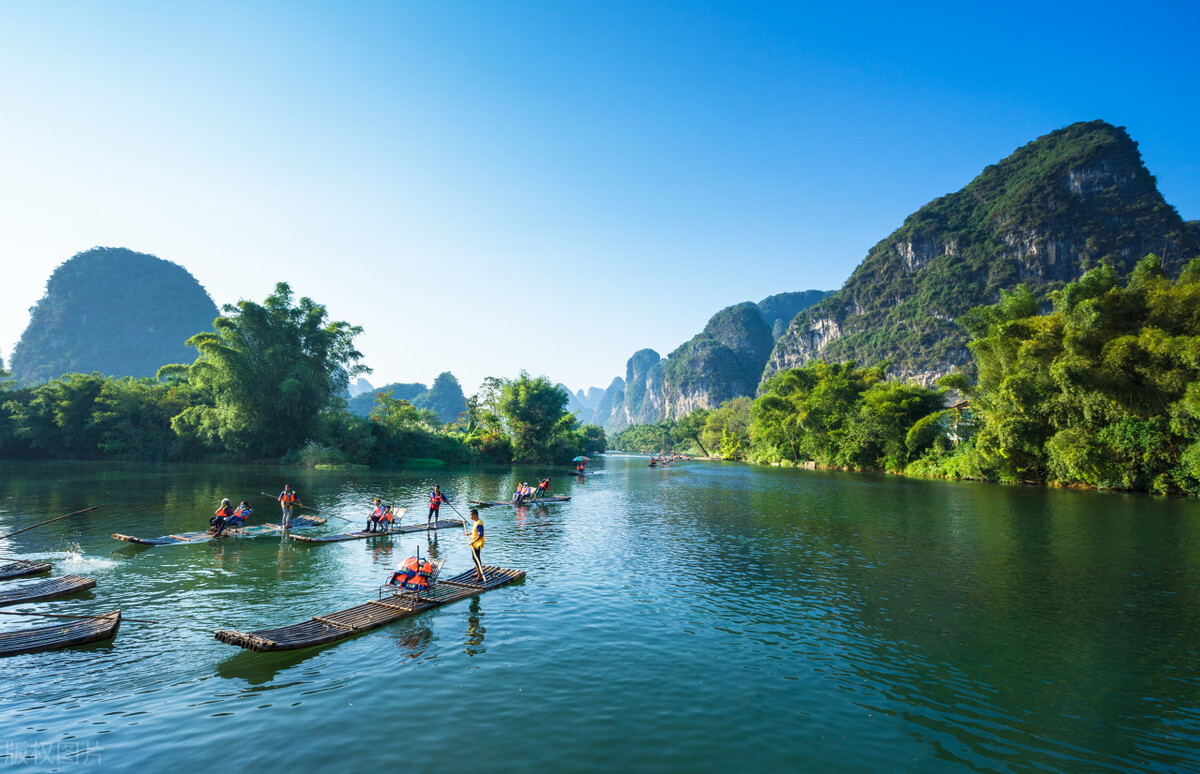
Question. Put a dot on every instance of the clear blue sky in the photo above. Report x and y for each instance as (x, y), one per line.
(489, 186)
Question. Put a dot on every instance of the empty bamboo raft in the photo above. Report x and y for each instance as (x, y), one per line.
(332, 627)
(361, 535)
(528, 501)
(48, 589)
(22, 567)
(258, 530)
(60, 635)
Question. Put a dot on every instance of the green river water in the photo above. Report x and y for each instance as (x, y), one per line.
(697, 618)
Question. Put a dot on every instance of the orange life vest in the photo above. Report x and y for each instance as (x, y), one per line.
(435, 499)
(288, 497)
(377, 514)
(225, 512)
(416, 583)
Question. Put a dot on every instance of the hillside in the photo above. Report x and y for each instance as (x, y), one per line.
(115, 311)
(1053, 209)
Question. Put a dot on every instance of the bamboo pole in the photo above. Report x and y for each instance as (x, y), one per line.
(59, 518)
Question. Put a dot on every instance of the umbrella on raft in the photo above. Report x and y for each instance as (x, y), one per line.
(580, 459)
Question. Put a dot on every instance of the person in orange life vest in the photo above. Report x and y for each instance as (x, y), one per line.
(376, 518)
(436, 498)
(221, 518)
(241, 515)
(543, 489)
(287, 498)
(476, 538)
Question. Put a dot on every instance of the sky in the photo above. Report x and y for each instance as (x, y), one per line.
(487, 187)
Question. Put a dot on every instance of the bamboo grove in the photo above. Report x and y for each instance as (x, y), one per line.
(1099, 386)
(269, 383)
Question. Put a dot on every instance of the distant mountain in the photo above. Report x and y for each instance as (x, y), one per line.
(361, 386)
(1043, 216)
(362, 403)
(723, 361)
(444, 397)
(115, 311)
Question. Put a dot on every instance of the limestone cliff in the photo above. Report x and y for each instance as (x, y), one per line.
(1044, 215)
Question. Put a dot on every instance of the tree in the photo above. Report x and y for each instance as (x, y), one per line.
(270, 370)
(535, 410)
(689, 428)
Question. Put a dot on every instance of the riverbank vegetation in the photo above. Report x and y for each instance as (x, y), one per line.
(1102, 390)
(270, 383)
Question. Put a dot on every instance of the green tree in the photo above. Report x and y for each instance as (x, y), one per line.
(536, 415)
(271, 371)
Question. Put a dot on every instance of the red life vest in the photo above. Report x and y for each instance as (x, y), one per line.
(435, 499)
(377, 514)
(225, 512)
(288, 497)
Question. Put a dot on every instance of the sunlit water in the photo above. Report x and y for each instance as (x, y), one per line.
(696, 618)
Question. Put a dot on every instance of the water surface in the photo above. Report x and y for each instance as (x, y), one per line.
(691, 619)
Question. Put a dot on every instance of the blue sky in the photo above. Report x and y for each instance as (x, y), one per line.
(486, 187)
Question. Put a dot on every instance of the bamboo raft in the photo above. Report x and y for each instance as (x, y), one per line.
(298, 522)
(19, 568)
(528, 501)
(48, 589)
(363, 535)
(322, 629)
(61, 635)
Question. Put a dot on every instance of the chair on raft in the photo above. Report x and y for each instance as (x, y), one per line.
(424, 573)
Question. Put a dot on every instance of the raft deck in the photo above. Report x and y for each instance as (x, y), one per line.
(363, 535)
(22, 567)
(372, 614)
(527, 501)
(47, 589)
(258, 530)
(60, 635)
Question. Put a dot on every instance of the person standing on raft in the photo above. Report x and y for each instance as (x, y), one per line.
(436, 498)
(476, 537)
(287, 498)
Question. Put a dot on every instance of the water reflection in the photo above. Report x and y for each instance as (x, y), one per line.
(475, 630)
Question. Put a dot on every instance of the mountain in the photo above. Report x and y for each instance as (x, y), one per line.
(444, 397)
(115, 311)
(360, 386)
(723, 361)
(362, 403)
(779, 310)
(1051, 210)
(613, 398)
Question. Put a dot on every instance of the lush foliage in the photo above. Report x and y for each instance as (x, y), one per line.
(841, 415)
(1053, 209)
(1104, 390)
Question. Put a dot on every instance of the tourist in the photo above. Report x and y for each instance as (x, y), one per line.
(222, 517)
(476, 536)
(287, 499)
(436, 498)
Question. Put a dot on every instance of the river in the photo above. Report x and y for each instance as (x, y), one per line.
(695, 618)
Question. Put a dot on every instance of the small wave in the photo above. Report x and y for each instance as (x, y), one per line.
(74, 559)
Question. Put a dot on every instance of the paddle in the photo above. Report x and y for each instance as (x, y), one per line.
(314, 510)
(59, 518)
(61, 615)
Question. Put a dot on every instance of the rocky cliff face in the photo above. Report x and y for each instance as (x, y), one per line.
(1043, 216)
(613, 398)
(642, 397)
(724, 361)
(114, 311)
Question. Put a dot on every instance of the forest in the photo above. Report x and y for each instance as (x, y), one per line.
(270, 384)
(1099, 390)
